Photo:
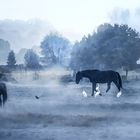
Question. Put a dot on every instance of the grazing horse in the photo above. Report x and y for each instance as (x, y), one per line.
(3, 94)
(97, 76)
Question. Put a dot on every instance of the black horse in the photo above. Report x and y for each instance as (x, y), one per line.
(3, 94)
(97, 76)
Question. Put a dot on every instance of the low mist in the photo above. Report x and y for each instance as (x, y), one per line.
(49, 76)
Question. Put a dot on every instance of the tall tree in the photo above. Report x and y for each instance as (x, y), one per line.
(110, 47)
(11, 61)
(55, 49)
(31, 60)
(116, 51)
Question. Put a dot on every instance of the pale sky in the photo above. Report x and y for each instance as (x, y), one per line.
(73, 18)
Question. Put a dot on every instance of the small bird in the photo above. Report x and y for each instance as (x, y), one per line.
(97, 92)
(36, 97)
(119, 94)
(84, 93)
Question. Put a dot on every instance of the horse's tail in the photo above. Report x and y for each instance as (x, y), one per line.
(0, 101)
(5, 95)
(120, 80)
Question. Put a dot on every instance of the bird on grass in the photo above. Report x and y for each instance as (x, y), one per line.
(36, 97)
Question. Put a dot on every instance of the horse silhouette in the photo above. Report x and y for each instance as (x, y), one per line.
(3, 94)
(97, 76)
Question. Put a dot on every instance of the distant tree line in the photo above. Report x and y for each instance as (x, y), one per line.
(55, 50)
(109, 47)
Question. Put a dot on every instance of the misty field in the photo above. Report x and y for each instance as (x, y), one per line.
(62, 112)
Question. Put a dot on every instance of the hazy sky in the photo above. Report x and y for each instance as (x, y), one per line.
(73, 18)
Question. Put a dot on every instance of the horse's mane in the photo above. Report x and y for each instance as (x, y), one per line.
(90, 70)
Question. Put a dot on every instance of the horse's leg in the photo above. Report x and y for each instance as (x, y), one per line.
(117, 85)
(108, 87)
(93, 88)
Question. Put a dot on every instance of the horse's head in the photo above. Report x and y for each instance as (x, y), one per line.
(78, 77)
